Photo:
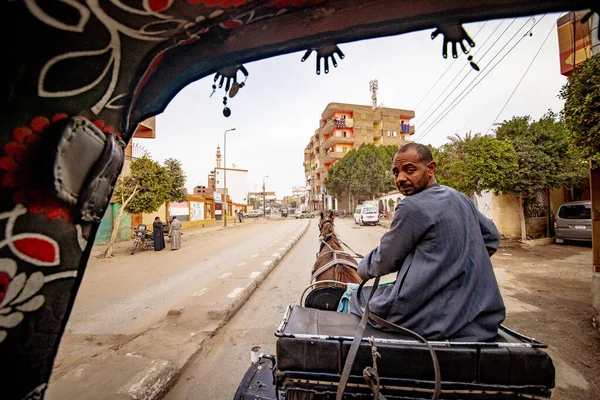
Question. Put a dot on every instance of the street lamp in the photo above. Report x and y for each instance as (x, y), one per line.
(225, 173)
(264, 198)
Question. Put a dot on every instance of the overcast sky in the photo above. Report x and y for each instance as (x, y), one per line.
(279, 109)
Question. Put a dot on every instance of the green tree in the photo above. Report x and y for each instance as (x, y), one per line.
(544, 159)
(147, 187)
(364, 172)
(452, 160)
(293, 204)
(582, 107)
(177, 192)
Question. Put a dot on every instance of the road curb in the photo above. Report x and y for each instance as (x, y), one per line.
(222, 315)
(227, 308)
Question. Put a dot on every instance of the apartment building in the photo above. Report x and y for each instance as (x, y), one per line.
(344, 127)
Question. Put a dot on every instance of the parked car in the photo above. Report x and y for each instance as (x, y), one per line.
(254, 214)
(366, 214)
(303, 214)
(573, 221)
(284, 212)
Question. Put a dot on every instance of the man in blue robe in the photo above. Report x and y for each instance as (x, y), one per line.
(440, 245)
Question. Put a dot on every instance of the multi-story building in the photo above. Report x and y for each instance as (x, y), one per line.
(344, 127)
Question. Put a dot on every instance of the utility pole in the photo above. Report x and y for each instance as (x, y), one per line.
(264, 198)
(225, 175)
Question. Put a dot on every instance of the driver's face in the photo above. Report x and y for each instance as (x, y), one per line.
(411, 176)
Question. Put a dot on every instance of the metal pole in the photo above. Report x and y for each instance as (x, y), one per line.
(264, 198)
(225, 175)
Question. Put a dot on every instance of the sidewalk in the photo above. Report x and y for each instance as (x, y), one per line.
(123, 248)
(144, 366)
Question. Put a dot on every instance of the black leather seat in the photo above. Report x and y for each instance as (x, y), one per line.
(314, 343)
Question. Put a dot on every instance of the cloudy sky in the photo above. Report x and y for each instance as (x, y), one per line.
(279, 108)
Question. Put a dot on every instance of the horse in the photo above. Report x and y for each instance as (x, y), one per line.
(332, 262)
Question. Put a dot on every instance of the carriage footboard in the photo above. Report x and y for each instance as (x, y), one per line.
(259, 381)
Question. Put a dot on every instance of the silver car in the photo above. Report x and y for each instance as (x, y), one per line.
(574, 221)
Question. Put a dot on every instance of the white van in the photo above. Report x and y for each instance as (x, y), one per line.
(366, 214)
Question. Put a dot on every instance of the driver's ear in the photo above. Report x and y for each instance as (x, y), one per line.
(431, 166)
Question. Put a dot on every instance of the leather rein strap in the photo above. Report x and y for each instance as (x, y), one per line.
(358, 338)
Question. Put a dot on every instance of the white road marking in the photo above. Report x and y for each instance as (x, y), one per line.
(275, 255)
(241, 264)
(263, 249)
(281, 248)
(254, 255)
(225, 275)
(254, 274)
(267, 262)
(275, 241)
(235, 292)
(200, 292)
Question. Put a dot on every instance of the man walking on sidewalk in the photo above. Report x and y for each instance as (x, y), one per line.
(175, 234)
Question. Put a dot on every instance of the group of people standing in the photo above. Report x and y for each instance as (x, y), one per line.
(174, 233)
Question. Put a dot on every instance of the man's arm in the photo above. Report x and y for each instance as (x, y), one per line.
(491, 236)
(408, 227)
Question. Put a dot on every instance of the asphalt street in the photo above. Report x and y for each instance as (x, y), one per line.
(218, 369)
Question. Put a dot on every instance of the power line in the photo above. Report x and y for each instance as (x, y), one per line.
(451, 104)
(447, 69)
(464, 66)
(522, 77)
(429, 116)
(454, 103)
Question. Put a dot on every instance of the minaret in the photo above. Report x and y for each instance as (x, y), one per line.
(218, 157)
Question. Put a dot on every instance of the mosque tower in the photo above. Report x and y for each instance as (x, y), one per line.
(218, 157)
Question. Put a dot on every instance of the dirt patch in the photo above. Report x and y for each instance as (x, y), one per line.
(547, 294)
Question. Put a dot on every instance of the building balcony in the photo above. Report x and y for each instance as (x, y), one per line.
(333, 140)
(333, 123)
(409, 130)
(328, 127)
(332, 156)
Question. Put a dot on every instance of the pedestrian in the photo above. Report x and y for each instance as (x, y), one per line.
(175, 234)
(240, 216)
(159, 234)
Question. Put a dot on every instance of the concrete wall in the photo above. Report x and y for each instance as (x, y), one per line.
(148, 218)
(197, 210)
(107, 223)
(237, 186)
(505, 214)
(536, 227)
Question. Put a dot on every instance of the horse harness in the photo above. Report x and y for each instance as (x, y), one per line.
(336, 257)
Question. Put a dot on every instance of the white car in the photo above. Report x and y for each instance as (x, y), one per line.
(254, 214)
(366, 214)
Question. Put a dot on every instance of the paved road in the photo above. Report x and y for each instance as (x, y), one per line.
(218, 369)
(128, 294)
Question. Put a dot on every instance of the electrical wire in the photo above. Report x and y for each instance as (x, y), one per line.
(429, 116)
(472, 86)
(448, 69)
(463, 68)
(451, 104)
(522, 77)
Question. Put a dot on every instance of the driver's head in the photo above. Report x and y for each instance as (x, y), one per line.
(413, 168)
